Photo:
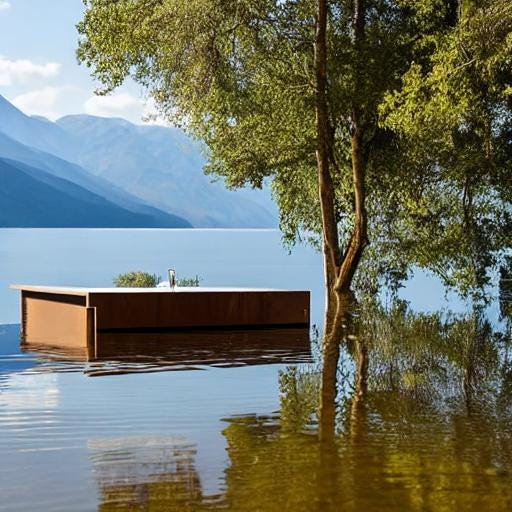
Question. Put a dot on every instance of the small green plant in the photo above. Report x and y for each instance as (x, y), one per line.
(188, 281)
(136, 279)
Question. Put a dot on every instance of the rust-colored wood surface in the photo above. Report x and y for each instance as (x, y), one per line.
(208, 309)
(73, 317)
(54, 322)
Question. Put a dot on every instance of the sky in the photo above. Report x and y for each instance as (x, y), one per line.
(39, 72)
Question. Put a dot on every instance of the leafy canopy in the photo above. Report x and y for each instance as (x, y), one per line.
(433, 86)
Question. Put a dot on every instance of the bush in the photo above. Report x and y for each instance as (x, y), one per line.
(188, 281)
(136, 279)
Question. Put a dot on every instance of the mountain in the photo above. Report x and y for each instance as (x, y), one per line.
(165, 167)
(151, 170)
(36, 132)
(13, 150)
(30, 197)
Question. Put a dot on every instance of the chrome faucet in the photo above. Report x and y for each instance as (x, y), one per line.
(172, 278)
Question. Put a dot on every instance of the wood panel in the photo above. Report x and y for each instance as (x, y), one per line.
(58, 324)
(192, 309)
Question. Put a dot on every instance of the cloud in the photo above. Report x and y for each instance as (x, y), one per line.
(57, 101)
(116, 105)
(4, 5)
(51, 102)
(23, 71)
(125, 105)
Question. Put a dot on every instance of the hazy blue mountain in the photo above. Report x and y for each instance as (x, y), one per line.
(145, 169)
(11, 149)
(36, 132)
(30, 197)
(163, 166)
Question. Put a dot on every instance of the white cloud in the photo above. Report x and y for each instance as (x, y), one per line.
(51, 102)
(4, 5)
(115, 105)
(57, 101)
(23, 71)
(123, 105)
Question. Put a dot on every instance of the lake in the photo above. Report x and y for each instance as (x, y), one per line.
(229, 421)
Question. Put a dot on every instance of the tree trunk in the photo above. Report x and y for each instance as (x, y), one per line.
(359, 238)
(331, 246)
(339, 271)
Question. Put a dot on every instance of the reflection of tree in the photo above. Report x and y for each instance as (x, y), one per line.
(401, 463)
(299, 398)
(274, 470)
(505, 302)
(431, 356)
(505, 290)
(405, 438)
(408, 440)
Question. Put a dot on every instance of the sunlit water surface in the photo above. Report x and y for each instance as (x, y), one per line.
(230, 421)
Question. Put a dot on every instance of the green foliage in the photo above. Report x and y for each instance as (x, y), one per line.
(189, 281)
(136, 279)
(431, 83)
(139, 279)
(453, 118)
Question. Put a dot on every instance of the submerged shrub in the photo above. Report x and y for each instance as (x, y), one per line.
(136, 279)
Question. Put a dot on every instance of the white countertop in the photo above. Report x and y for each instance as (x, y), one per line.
(75, 290)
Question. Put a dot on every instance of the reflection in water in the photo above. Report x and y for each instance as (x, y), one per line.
(145, 473)
(423, 421)
(387, 461)
(119, 353)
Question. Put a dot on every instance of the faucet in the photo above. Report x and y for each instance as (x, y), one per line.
(172, 278)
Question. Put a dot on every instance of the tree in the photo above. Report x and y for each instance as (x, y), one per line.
(333, 100)
(455, 115)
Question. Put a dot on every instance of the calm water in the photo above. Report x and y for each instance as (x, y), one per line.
(230, 422)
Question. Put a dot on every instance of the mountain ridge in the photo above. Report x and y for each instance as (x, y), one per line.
(32, 198)
(148, 169)
(165, 167)
(11, 149)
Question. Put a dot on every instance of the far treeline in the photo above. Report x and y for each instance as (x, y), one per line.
(384, 126)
